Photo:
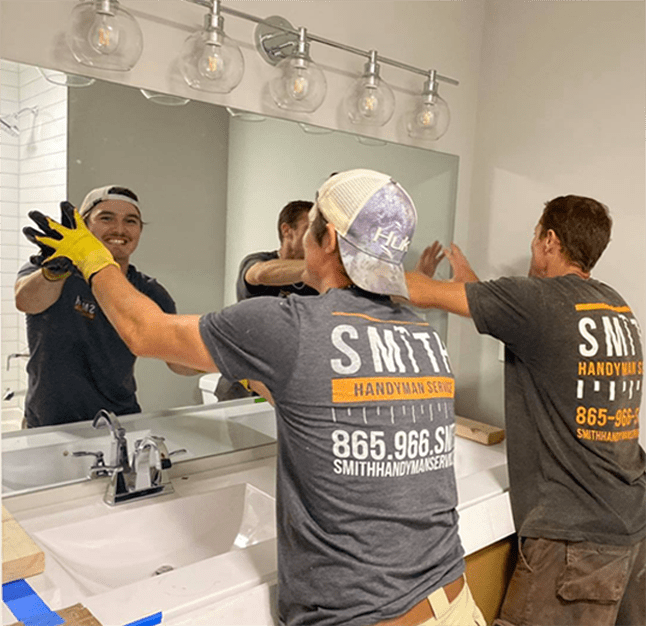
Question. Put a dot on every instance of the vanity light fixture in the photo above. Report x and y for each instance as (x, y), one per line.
(430, 118)
(370, 101)
(211, 61)
(104, 35)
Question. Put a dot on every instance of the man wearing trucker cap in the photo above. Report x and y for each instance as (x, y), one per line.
(78, 364)
(366, 492)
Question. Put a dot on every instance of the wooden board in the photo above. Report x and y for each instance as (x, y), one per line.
(21, 557)
(478, 431)
(76, 615)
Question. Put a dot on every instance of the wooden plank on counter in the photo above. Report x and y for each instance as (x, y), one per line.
(478, 431)
(21, 557)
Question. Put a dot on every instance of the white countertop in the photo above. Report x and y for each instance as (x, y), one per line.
(236, 587)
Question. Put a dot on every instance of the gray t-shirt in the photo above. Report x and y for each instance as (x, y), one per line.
(245, 290)
(573, 388)
(78, 363)
(366, 490)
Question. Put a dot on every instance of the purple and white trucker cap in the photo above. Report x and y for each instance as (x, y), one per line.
(375, 221)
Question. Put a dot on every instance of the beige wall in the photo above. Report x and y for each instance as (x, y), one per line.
(560, 111)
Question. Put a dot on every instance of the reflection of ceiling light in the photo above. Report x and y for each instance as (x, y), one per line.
(245, 116)
(64, 79)
(164, 98)
(430, 118)
(370, 101)
(314, 130)
(102, 34)
(211, 61)
(371, 141)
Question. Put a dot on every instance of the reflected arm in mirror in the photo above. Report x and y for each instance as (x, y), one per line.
(426, 293)
(145, 328)
(462, 271)
(276, 272)
(35, 294)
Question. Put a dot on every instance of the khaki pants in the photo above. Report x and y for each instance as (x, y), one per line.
(463, 611)
(564, 583)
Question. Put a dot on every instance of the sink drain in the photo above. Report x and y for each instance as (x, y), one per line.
(163, 569)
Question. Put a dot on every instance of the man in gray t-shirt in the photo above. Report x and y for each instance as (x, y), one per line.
(366, 491)
(573, 389)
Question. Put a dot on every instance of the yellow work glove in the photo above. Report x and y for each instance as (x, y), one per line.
(77, 243)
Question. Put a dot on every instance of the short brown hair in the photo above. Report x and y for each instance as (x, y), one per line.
(291, 213)
(582, 225)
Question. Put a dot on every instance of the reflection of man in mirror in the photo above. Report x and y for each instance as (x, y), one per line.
(366, 491)
(78, 364)
(280, 272)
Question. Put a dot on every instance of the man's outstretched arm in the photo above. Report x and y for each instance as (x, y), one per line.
(426, 293)
(145, 328)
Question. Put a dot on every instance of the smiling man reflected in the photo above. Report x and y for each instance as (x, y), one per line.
(78, 363)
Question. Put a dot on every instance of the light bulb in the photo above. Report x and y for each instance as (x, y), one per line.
(430, 118)
(211, 65)
(104, 34)
(299, 85)
(368, 103)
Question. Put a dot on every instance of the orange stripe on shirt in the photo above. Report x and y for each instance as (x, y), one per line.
(374, 319)
(388, 388)
(596, 306)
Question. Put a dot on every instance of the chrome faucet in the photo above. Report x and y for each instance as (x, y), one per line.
(146, 476)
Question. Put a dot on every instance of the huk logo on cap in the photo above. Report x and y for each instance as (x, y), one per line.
(391, 240)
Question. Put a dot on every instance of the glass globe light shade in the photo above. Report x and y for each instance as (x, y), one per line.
(210, 61)
(370, 102)
(429, 119)
(300, 85)
(104, 35)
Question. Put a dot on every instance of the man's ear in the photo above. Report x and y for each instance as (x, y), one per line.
(551, 242)
(329, 240)
(285, 229)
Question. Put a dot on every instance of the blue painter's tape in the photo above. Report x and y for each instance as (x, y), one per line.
(27, 606)
(151, 620)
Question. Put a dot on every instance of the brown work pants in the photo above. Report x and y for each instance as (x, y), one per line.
(564, 583)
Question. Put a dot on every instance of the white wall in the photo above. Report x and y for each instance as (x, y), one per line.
(32, 177)
(560, 111)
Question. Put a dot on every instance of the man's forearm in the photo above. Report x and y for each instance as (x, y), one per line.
(426, 293)
(35, 294)
(276, 272)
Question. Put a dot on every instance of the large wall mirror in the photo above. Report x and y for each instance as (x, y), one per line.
(211, 182)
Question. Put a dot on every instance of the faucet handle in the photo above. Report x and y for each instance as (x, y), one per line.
(99, 468)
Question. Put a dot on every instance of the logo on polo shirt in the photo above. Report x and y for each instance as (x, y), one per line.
(85, 308)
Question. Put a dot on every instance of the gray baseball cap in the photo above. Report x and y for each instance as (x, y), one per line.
(375, 221)
(109, 192)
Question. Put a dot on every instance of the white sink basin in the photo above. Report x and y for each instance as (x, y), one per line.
(136, 544)
(30, 462)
